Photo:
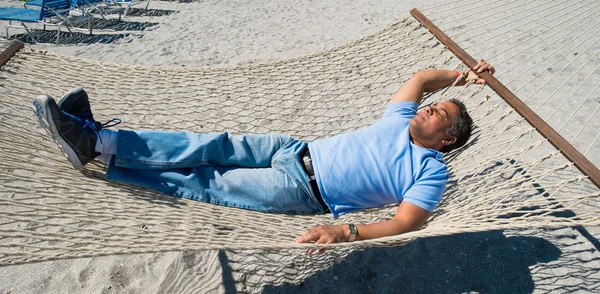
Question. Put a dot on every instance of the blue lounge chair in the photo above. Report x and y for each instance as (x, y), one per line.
(129, 3)
(51, 12)
(123, 5)
(84, 6)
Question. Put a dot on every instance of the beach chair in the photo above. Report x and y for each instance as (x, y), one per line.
(127, 4)
(50, 12)
(86, 7)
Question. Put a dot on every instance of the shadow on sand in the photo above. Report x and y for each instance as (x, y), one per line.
(42, 36)
(486, 262)
(116, 25)
(181, 1)
(146, 12)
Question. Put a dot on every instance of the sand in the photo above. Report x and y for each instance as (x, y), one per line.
(233, 33)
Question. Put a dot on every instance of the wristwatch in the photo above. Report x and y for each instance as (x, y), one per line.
(353, 232)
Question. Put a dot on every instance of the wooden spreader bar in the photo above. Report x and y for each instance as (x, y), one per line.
(9, 52)
(580, 161)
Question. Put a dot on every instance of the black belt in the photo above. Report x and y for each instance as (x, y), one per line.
(312, 181)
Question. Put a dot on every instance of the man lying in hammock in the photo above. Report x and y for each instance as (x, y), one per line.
(396, 160)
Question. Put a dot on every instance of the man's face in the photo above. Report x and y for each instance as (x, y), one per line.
(429, 127)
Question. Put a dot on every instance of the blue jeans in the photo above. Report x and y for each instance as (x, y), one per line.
(255, 172)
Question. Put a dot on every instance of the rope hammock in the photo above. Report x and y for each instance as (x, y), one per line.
(508, 177)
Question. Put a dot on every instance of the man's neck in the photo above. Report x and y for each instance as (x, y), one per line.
(416, 142)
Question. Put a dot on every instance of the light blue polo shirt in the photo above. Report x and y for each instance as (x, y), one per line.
(378, 165)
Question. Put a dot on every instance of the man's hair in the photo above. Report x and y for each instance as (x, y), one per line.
(461, 127)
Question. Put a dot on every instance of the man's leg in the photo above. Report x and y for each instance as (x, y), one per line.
(167, 150)
(72, 125)
(172, 162)
(272, 189)
(257, 172)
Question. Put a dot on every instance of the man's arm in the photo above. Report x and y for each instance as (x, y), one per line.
(433, 80)
(408, 218)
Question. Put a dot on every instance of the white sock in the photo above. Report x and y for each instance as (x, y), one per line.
(104, 158)
(107, 142)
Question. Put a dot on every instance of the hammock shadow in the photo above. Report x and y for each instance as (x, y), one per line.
(535, 210)
(179, 1)
(116, 25)
(146, 12)
(42, 36)
(482, 262)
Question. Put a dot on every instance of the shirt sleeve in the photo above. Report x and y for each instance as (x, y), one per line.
(428, 190)
(406, 109)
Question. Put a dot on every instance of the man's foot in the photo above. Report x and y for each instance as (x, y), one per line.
(76, 102)
(76, 137)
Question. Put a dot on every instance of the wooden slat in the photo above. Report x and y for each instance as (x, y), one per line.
(9, 52)
(580, 161)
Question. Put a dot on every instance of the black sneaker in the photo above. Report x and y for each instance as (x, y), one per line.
(76, 102)
(75, 136)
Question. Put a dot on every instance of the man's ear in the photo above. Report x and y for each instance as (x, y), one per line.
(449, 140)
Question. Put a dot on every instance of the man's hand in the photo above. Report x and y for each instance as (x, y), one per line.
(408, 218)
(479, 68)
(324, 235)
(434, 79)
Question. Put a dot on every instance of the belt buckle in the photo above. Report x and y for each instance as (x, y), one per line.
(308, 166)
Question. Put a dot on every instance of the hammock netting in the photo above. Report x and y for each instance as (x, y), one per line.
(507, 177)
